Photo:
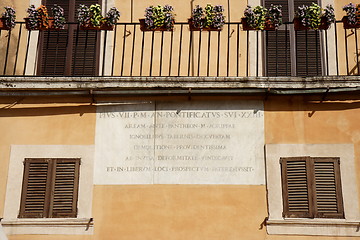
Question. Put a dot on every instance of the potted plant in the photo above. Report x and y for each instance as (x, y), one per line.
(352, 18)
(313, 17)
(90, 18)
(158, 18)
(261, 18)
(58, 16)
(39, 19)
(7, 21)
(212, 19)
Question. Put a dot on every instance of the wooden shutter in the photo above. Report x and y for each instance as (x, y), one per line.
(311, 187)
(328, 197)
(65, 188)
(278, 58)
(50, 188)
(36, 181)
(308, 55)
(296, 188)
(69, 51)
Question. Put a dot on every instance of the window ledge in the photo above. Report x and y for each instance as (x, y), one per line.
(68, 226)
(320, 227)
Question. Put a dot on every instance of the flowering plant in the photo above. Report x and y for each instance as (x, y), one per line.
(310, 16)
(39, 18)
(212, 17)
(112, 16)
(33, 18)
(257, 18)
(275, 15)
(10, 16)
(59, 17)
(91, 16)
(43, 16)
(351, 13)
(158, 16)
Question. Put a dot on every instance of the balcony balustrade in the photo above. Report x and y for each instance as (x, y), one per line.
(129, 52)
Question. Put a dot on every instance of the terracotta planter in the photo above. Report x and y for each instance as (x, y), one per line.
(298, 26)
(348, 25)
(3, 25)
(144, 28)
(193, 28)
(103, 26)
(269, 26)
(41, 26)
(245, 25)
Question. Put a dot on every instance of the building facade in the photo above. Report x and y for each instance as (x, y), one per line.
(228, 134)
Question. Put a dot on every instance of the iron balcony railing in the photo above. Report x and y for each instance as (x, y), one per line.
(128, 51)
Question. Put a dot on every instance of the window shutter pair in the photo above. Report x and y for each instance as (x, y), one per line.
(311, 187)
(50, 188)
(283, 43)
(69, 51)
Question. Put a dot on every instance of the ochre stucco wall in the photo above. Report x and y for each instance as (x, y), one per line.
(177, 211)
(303, 120)
(44, 124)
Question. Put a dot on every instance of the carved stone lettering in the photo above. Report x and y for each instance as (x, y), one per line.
(180, 143)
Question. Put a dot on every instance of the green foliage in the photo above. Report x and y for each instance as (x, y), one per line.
(91, 16)
(95, 15)
(256, 17)
(159, 16)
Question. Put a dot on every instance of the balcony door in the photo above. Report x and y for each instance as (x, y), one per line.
(68, 52)
(289, 52)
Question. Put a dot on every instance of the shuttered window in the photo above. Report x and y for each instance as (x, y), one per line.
(311, 187)
(50, 188)
(69, 51)
(289, 52)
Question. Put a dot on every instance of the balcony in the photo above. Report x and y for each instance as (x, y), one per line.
(231, 59)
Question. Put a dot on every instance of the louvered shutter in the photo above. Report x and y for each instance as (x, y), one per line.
(68, 51)
(278, 58)
(50, 188)
(65, 188)
(85, 53)
(54, 44)
(296, 188)
(308, 55)
(36, 181)
(328, 188)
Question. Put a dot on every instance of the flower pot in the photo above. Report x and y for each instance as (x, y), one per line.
(348, 25)
(298, 26)
(193, 28)
(3, 24)
(41, 25)
(245, 25)
(269, 25)
(103, 26)
(144, 27)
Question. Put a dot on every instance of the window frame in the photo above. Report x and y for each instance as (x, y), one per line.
(72, 33)
(277, 224)
(312, 191)
(50, 188)
(82, 224)
(293, 38)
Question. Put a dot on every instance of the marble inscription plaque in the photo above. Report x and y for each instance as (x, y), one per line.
(180, 143)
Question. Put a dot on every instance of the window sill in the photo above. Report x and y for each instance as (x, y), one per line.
(63, 226)
(319, 227)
